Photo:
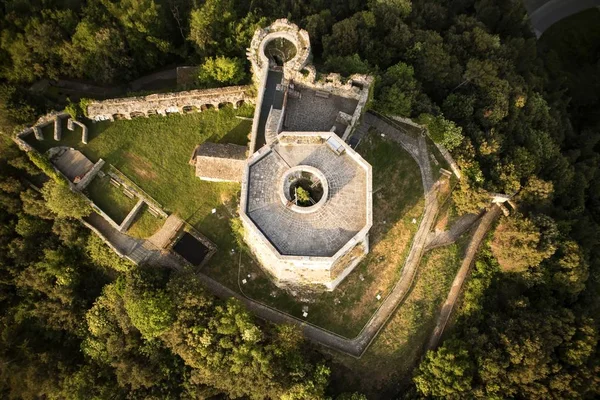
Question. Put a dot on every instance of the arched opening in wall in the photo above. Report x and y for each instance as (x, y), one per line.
(189, 109)
(357, 85)
(280, 51)
(206, 107)
(172, 110)
(137, 114)
(240, 103)
(225, 104)
(119, 116)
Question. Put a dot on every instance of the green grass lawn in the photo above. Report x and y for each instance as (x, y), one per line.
(154, 153)
(110, 199)
(393, 354)
(145, 224)
(398, 199)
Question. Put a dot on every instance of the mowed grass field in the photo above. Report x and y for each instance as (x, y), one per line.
(397, 200)
(154, 153)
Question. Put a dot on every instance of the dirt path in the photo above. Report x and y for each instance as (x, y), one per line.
(457, 284)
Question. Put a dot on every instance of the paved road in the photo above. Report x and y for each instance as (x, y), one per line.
(357, 346)
(545, 13)
(482, 229)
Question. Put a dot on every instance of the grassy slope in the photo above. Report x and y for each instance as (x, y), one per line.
(144, 224)
(393, 354)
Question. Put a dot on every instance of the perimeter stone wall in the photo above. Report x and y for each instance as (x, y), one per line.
(166, 103)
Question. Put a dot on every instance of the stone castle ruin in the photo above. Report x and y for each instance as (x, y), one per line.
(316, 240)
(289, 95)
(306, 202)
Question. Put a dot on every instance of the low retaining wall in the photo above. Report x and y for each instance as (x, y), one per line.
(137, 191)
(131, 216)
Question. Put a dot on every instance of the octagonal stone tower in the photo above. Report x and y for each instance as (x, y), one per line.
(306, 207)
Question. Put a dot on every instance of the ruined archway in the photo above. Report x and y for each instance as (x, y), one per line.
(137, 114)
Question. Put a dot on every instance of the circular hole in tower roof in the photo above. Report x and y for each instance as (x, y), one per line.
(280, 51)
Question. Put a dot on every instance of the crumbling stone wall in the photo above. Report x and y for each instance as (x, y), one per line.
(301, 72)
(166, 103)
(50, 118)
(85, 181)
(84, 129)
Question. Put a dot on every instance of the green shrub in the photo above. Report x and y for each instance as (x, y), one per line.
(302, 196)
(44, 164)
(83, 106)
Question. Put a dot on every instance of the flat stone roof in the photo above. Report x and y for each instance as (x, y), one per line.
(220, 162)
(72, 163)
(325, 231)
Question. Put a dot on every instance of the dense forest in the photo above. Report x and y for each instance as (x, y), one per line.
(521, 116)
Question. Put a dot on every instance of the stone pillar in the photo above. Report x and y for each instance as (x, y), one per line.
(57, 128)
(38, 133)
(84, 133)
(70, 125)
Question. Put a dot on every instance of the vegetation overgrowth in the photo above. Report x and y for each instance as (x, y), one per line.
(521, 116)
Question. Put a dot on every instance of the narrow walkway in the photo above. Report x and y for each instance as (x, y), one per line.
(163, 236)
(482, 229)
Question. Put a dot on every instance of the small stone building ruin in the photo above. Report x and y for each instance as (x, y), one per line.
(219, 162)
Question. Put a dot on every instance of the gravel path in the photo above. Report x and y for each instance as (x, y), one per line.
(357, 346)
(482, 229)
